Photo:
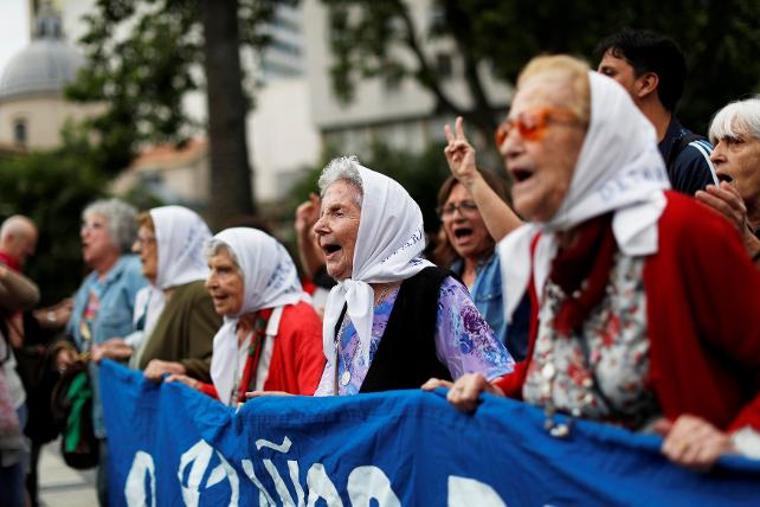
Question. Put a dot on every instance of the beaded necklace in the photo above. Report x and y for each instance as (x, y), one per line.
(243, 382)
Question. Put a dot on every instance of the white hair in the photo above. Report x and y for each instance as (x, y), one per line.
(741, 117)
(121, 218)
(215, 246)
(342, 169)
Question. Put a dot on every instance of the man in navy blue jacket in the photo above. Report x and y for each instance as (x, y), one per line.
(652, 69)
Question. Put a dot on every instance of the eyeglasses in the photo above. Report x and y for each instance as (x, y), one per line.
(466, 208)
(144, 241)
(532, 125)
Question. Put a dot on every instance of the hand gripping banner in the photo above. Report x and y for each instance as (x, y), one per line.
(170, 445)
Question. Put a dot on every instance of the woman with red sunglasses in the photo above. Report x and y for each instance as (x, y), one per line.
(645, 302)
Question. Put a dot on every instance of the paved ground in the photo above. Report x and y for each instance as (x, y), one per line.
(61, 486)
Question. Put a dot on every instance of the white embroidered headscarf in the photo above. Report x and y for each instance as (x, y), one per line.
(390, 240)
(619, 169)
(180, 236)
(270, 280)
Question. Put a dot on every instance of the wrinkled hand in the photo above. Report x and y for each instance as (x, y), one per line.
(183, 379)
(464, 394)
(156, 369)
(725, 199)
(692, 442)
(113, 348)
(307, 214)
(460, 154)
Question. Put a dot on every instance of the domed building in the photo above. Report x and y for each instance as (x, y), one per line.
(32, 106)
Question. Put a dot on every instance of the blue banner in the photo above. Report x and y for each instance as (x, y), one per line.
(170, 445)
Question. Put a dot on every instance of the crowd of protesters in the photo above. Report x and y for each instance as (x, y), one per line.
(601, 293)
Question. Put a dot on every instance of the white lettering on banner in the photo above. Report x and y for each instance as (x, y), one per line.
(366, 483)
(198, 458)
(282, 489)
(464, 492)
(265, 498)
(134, 489)
(283, 448)
(320, 486)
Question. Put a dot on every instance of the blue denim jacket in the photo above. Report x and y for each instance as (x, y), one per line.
(486, 293)
(117, 293)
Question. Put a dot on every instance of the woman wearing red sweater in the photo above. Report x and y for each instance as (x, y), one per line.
(647, 304)
(271, 339)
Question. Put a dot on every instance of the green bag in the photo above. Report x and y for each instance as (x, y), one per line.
(72, 406)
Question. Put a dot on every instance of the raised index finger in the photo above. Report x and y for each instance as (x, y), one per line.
(447, 133)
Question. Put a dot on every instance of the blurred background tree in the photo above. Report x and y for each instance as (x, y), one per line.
(145, 56)
(52, 188)
(721, 39)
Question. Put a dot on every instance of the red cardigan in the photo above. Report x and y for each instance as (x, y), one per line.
(703, 309)
(297, 357)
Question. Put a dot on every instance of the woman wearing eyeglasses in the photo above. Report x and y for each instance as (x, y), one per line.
(467, 248)
(646, 302)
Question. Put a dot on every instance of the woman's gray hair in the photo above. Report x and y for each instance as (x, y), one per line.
(735, 119)
(342, 169)
(121, 218)
(215, 246)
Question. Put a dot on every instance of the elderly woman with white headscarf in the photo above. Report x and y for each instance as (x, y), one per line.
(393, 320)
(271, 339)
(180, 317)
(646, 303)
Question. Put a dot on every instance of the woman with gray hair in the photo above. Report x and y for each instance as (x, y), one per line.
(104, 303)
(394, 319)
(735, 132)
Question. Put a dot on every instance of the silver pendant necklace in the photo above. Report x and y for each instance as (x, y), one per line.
(345, 377)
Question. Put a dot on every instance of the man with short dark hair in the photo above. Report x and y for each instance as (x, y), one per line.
(652, 69)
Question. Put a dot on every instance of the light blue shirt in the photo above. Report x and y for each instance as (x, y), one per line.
(487, 294)
(116, 292)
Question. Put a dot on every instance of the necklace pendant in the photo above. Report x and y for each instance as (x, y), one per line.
(548, 371)
(345, 378)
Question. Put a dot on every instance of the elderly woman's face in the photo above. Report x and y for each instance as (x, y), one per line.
(542, 144)
(96, 240)
(463, 224)
(740, 158)
(147, 247)
(337, 228)
(224, 284)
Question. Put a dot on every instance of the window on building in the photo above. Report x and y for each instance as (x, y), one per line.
(19, 131)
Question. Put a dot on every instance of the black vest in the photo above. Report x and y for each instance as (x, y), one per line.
(406, 356)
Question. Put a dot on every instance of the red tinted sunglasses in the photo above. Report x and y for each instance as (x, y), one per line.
(532, 125)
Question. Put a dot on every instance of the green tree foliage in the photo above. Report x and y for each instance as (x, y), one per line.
(377, 37)
(145, 56)
(52, 188)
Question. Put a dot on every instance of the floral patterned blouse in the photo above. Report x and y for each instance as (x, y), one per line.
(600, 373)
(464, 341)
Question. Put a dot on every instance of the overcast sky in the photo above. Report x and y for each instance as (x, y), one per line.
(14, 27)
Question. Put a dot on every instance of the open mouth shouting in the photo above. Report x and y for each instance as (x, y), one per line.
(330, 250)
(462, 234)
(521, 175)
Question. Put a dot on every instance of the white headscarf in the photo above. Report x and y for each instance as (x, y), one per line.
(270, 280)
(390, 240)
(619, 169)
(180, 236)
